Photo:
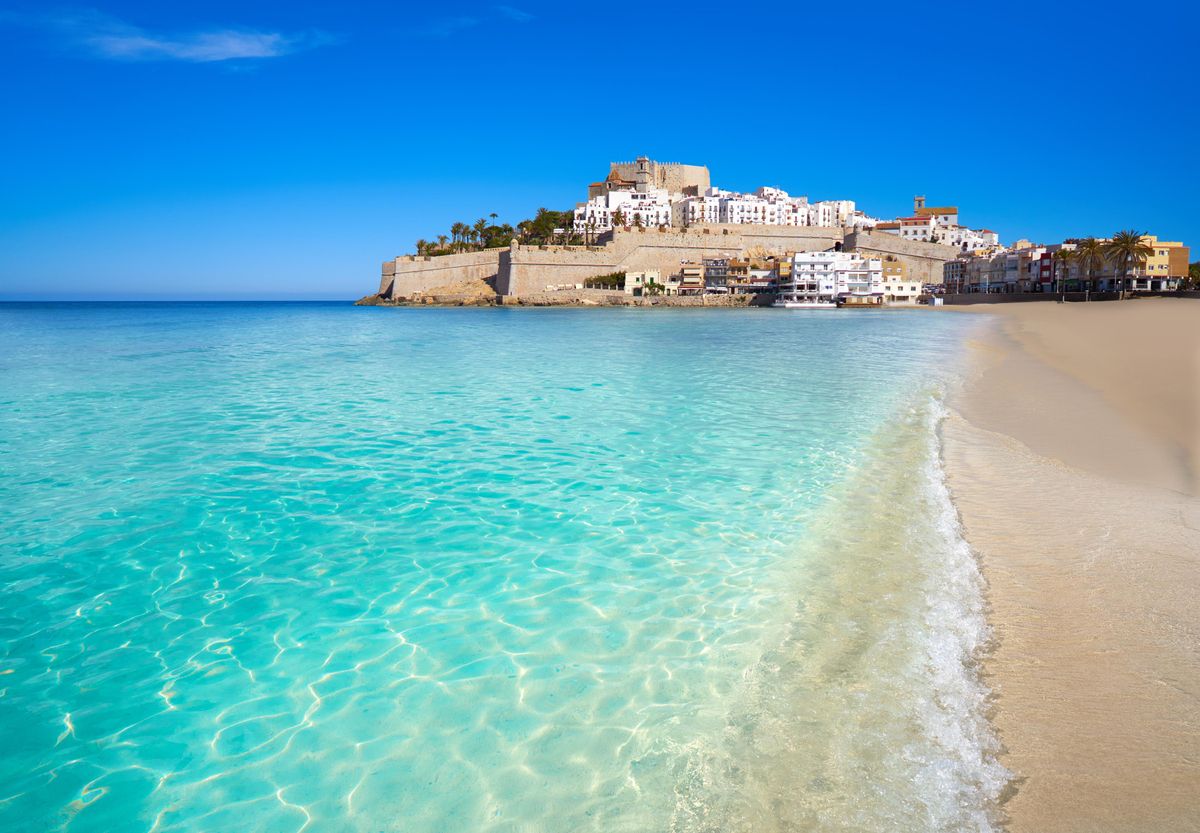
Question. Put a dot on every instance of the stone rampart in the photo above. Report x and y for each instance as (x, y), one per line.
(410, 274)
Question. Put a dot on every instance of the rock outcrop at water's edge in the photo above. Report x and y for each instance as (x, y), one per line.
(577, 298)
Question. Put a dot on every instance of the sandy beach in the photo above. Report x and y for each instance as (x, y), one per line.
(1072, 452)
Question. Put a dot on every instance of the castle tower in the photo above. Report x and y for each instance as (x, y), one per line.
(918, 204)
(643, 177)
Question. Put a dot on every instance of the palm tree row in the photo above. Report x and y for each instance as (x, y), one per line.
(1126, 250)
(467, 237)
(546, 227)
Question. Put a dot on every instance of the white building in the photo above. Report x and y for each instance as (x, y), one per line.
(747, 209)
(652, 208)
(939, 224)
(929, 229)
(691, 211)
(830, 276)
(901, 290)
(767, 207)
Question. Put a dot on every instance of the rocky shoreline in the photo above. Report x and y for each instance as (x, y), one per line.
(569, 299)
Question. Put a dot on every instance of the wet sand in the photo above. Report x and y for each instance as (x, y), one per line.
(1072, 453)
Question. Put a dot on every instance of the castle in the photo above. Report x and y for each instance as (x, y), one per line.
(643, 174)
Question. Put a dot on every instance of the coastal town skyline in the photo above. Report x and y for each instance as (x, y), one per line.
(653, 232)
(277, 151)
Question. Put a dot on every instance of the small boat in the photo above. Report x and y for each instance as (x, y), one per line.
(782, 304)
(860, 299)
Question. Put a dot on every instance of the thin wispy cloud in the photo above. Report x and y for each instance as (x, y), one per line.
(446, 26)
(104, 36)
(514, 14)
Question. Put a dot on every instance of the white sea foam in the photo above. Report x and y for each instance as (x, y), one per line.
(965, 782)
(871, 713)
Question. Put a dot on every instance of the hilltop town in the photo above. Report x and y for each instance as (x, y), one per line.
(661, 233)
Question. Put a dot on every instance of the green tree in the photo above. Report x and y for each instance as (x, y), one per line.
(497, 236)
(1193, 278)
(422, 245)
(637, 220)
(442, 242)
(1126, 250)
(618, 217)
(1063, 259)
(1090, 254)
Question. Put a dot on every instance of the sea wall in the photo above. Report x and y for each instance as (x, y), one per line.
(967, 298)
(409, 274)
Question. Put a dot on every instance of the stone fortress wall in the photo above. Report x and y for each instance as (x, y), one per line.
(671, 176)
(528, 269)
(410, 274)
(525, 270)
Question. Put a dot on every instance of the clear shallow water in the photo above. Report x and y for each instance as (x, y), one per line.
(269, 567)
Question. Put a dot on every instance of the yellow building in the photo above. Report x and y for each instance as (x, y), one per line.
(1164, 268)
(894, 269)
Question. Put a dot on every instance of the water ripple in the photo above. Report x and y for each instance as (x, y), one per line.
(303, 567)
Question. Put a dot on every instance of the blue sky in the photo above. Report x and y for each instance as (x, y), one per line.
(283, 149)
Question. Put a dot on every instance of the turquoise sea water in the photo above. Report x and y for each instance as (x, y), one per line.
(289, 567)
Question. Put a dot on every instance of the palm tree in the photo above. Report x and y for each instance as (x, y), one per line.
(456, 231)
(1063, 259)
(442, 241)
(618, 217)
(480, 227)
(1126, 249)
(1090, 254)
(422, 245)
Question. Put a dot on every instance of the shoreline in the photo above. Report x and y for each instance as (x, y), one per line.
(1070, 452)
(572, 299)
